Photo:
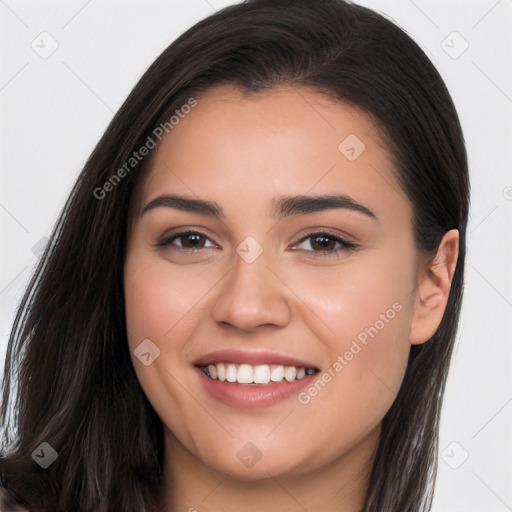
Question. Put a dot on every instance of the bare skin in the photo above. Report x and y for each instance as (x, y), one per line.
(195, 296)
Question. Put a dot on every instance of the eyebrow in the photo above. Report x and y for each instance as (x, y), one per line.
(283, 206)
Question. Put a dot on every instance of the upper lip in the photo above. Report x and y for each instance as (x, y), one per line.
(251, 357)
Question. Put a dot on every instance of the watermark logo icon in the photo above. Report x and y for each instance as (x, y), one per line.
(249, 249)
(146, 352)
(249, 455)
(44, 455)
(44, 45)
(39, 247)
(454, 45)
(352, 147)
(455, 455)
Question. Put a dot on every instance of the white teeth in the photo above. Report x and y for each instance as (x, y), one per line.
(290, 373)
(231, 373)
(245, 375)
(257, 374)
(277, 374)
(212, 370)
(262, 374)
(221, 372)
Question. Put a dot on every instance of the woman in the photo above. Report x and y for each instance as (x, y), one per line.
(251, 297)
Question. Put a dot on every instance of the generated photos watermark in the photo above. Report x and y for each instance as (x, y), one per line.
(357, 345)
(145, 149)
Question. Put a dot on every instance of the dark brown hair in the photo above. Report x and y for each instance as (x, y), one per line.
(69, 379)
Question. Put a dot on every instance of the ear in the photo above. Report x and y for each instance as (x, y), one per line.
(434, 282)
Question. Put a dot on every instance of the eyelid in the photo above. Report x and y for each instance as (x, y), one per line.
(345, 242)
(168, 237)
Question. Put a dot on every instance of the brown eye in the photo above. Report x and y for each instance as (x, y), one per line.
(188, 240)
(325, 244)
(192, 240)
(321, 242)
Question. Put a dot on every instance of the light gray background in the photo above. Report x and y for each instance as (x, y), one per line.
(54, 110)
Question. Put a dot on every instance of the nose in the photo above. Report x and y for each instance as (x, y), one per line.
(251, 296)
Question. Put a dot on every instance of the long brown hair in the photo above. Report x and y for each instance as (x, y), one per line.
(69, 379)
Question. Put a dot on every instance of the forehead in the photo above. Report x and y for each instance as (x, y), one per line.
(289, 140)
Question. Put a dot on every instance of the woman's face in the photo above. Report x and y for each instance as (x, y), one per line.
(311, 297)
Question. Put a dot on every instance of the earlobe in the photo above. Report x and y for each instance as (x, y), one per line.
(434, 283)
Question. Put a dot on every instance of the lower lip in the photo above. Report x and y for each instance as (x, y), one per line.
(252, 396)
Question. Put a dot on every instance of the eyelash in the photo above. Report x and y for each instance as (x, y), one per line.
(345, 244)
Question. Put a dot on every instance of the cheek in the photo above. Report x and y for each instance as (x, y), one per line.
(362, 315)
(165, 308)
(159, 307)
(160, 303)
(369, 297)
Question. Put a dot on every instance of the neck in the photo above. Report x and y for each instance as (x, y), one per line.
(190, 485)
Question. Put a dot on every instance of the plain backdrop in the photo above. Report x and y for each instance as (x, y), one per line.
(55, 107)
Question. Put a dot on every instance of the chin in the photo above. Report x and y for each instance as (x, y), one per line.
(251, 465)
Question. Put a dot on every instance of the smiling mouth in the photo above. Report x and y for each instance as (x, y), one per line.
(261, 374)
